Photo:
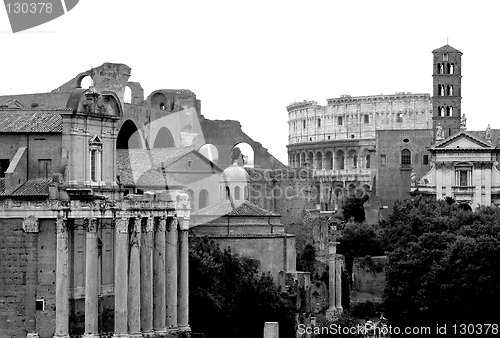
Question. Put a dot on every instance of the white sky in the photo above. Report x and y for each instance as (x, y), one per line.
(248, 60)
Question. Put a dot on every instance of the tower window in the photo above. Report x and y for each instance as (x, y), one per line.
(451, 68)
(304, 124)
(319, 122)
(95, 148)
(449, 111)
(405, 158)
(440, 68)
(339, 120)
(445, 57)
(441, 90)
(367, 118)
(450, 90)
(399, 117)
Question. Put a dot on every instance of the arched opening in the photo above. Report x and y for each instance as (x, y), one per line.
(210, 151)
(164, 139)
(310, 160)
(128, 136)
(465, 206)
(353, 159)
(86, 82)
(297, 160)
(203, 200)
(319, 161)
(328, 160)
(302, 159)
(191, 198)
(228, 193)
(339, 160)
(405, 158)
(243, 154)
(159, 100)
(236, 193)
(246, 194)
(127, 95)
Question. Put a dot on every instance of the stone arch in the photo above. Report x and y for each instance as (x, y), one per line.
(164, 139)
(160, 101)
(366, 159)
(210, 152)
(339, 160)
(328, 160)
(353, 159)
(310, 159)
(319, 160)
(244, 154)
(127, 95)
(84, 81)
(302, 158)
(129, 136)
(203, 199)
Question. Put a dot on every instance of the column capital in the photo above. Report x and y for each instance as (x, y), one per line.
(161, 224)
(121, 225)
(30, 224)
(173, 224)
(90, 224)
(150, 224)
(137, 223)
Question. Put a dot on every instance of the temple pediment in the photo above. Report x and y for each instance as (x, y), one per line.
(462, 140)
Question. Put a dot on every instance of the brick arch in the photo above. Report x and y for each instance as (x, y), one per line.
(129, 136)
(164, 139)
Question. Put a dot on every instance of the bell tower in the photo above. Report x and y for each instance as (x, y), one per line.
(447, 90)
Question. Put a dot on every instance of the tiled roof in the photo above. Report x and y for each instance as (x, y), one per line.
(31, 121)
(446, 48)
(481, 134)
(239, 208)
(146, 162)
(30, 188)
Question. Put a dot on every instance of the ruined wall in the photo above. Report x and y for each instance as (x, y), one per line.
(368, 279)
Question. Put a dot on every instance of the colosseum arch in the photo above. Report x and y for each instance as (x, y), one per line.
(302, 159)
(328, 160)
(319, 161)
(310, 159)
(339, 160)
(128, 136)
(244, 155)
(210, 152)
(164, 139)
(353, 159)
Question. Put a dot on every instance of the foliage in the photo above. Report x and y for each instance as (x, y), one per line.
(344, 321)
(229, 298)
(366, 310)
(306, 259)
(359, 240)
(353, 207)
(444, 264)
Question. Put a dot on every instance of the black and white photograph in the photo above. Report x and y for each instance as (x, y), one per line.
(249, 169)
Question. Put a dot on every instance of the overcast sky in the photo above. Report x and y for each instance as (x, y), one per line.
(248, 60)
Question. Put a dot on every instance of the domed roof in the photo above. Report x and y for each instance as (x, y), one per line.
(234, 174)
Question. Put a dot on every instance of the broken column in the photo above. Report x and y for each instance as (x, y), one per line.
(335, 282)
(121, 277)
(271, 330)
(62, 280)
(91, 282)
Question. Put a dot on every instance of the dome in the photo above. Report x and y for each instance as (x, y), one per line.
(234, 174)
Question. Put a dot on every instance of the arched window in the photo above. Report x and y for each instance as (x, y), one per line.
(127, 95)
(228, 193)
(405, 158)
(203, 200)
(247, 197)
(367, 162)
(95, 147)
(339, 160)
(237, 193)
(86, 82)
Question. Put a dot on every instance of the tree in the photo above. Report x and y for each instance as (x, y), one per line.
(444, 264)
(353, 207)
(229, 298)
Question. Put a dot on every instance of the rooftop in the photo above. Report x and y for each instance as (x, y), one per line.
(30, 121)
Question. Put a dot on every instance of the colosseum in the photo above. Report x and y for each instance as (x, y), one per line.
(339, 141)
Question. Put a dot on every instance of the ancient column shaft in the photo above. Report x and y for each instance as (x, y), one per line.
(91, 282)
(332, 252)
(171, 272)
(159, 277)
(62, 280)
(147, 277)
(338, 283)
(121, 276)
(134, 280)
(183, 286)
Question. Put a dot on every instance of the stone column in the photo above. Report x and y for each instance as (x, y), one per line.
(134, 280)
(183, 280)
(338, 284)
(159, 300)
(271, 330)
(62, 280)
(31, 229)
(147, 277)
(334, 288)
(171, 272)
(91, 282)
(121, 277)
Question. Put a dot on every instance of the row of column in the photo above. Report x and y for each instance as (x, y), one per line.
(328, 163)
(151, 277)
